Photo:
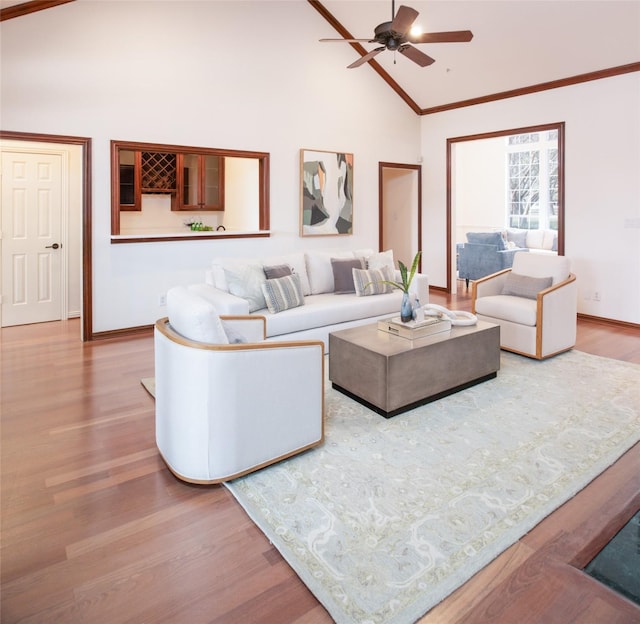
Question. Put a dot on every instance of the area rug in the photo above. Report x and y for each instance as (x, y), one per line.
(388, 517)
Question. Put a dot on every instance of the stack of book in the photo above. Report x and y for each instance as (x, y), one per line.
(413, 330)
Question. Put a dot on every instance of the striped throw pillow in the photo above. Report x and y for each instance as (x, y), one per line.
(282, 293)
(370, 281)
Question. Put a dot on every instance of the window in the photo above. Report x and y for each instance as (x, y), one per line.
(532, 179)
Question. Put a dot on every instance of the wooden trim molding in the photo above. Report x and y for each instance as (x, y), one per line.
(18, 10)
(543, 86)
(608, 321)
(493, 97)
(409, 167)
(342, 31)
(558, 126)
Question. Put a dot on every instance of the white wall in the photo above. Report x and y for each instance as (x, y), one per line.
(205, 74)
(602, 195)
(479, 184)
(200, 74)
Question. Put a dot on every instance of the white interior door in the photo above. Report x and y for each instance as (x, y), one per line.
(32, 254)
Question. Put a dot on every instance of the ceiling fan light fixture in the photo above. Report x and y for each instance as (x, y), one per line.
(400, 32)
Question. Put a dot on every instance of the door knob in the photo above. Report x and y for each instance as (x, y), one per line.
(54, 246)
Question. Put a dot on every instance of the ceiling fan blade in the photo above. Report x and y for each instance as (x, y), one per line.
(417, 56)
(363, 59)
(349, 40)
(403, 20)
(455, 36)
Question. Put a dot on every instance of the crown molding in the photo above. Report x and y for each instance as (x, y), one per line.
(24, 8)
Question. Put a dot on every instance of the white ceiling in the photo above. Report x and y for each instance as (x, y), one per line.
(516, 43)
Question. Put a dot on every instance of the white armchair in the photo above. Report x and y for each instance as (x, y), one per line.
(225, 409)
(534, 302)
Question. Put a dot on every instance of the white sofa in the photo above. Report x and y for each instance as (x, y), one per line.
(234, 286)
(536, 241)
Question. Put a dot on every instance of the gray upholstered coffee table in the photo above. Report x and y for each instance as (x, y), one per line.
(390, 374)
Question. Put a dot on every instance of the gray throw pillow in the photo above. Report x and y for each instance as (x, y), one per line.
(277, 270)
(524, 285)
(343, 274)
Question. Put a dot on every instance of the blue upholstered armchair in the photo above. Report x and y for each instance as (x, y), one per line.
(484, 253)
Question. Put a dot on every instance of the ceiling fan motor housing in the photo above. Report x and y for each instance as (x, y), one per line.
(392, 40)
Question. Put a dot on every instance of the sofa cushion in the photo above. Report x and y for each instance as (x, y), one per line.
(507, 308)
(548, 239)
(372, 281)
(319, 269)
(234, 336)
(193, 317)
(218, 265)
(245, 281)
(282, 293)
(525, 285)
(519, 237)
(538, 265)
(343, 274)
(380, 260)
(329, 309)
(487, 238)
(298, 265)
(535, 239)
(277, 270)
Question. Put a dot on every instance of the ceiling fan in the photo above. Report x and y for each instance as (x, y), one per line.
(395, 36)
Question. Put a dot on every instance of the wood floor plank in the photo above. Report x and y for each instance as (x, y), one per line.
(96, 529)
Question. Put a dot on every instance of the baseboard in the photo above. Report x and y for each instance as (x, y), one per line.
(607, 321)
(126, 332)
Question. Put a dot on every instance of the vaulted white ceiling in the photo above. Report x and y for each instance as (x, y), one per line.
(516, 43)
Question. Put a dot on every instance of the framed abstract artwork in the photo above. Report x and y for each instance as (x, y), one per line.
(326, 193)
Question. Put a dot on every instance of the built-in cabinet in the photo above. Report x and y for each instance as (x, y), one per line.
(201, 178)
(195, 181)
(158, 191)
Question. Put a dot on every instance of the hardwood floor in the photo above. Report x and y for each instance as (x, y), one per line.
(95, 528)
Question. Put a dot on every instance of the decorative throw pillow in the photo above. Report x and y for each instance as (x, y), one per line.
(245, 280)
(194, 317)
(283, 293)
(319, 269)
(233, 335)
(277, 270)
(380, 260)
(517, 237)
(343, 274)
(524, 285)
(370, 281)
(487, 238)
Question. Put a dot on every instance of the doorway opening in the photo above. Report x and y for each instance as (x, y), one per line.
(400, 210)
(78, 177)
(487, 172)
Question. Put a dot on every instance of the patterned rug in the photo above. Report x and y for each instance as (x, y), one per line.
(388, 517)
